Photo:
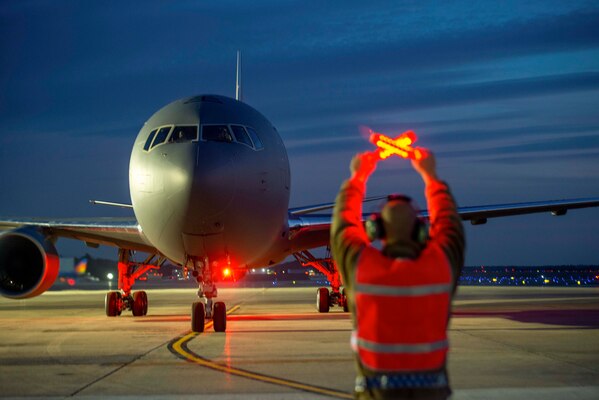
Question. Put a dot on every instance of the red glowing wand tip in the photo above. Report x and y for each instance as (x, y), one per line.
(401, 146)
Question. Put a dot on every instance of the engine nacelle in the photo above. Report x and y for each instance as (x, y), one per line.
(29, 263)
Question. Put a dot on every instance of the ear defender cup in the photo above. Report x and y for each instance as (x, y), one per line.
(420, 232)
(375, 230)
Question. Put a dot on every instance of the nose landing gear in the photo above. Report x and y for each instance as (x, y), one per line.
(123, 299)
(206, 308)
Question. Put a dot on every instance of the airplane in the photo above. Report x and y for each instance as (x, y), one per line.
(209, 182)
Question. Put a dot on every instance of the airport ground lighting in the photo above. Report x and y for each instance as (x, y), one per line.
(109, 276)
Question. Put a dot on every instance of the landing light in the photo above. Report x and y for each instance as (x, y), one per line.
(109, 276)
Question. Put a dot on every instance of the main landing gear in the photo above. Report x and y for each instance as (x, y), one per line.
(206, 308)
(325, 299)
(123, 299)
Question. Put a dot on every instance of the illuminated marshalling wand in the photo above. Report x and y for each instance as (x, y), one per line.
(400, 146)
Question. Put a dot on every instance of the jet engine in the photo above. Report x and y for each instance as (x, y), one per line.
(29, 263)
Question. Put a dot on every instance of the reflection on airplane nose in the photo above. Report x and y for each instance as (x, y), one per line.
(212, 190)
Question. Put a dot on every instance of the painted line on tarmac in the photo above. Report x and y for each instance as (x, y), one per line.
(179, 347)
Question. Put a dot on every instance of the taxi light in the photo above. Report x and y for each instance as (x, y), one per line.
(401, 146)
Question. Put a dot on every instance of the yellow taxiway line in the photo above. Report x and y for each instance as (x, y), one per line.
(179, 347)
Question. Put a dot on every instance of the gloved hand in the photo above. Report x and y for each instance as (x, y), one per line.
(363, 164)
(426, 166)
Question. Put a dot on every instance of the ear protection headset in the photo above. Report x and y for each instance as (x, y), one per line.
(375, 228)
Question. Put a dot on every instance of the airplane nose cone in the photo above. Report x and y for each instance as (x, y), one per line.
(212, 191)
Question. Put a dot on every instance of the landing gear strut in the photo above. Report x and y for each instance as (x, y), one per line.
(206, 308)
(129, 272)
(325, 299)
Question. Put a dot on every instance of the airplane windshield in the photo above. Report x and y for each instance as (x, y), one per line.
(255, 138)
(149, 141)
(216, 133)
(241, 135)
(183, 134)
(161, 135)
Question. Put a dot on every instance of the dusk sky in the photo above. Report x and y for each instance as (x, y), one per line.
(505, 93)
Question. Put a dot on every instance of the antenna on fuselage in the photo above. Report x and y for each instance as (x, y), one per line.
(238, 80)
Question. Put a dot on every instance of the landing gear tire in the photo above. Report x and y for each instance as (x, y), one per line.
(198, 316)
(219, 317)
(140, 304)
(322, 300)
(345, 305)
(112, 304)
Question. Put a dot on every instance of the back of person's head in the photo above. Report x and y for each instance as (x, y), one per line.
(398, 225)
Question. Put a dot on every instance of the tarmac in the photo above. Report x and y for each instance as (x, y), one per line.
(506, 342)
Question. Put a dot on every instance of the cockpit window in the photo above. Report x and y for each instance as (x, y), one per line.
(241, 135)
(216, 133)
(255, 138)
(183, 134)
(161, 135)
(149, 141)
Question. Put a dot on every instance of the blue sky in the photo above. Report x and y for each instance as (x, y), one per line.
(505, 93)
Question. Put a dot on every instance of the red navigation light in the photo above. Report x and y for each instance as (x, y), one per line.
(227, 272)
(400, 146)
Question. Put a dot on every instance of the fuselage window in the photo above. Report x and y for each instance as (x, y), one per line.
(241, 135)
(184, 134)
(161, 135)
(216, 133)
(255, 138)
(149, 141)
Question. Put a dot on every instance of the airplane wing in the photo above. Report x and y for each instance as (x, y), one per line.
(119, 232)
(308, 231)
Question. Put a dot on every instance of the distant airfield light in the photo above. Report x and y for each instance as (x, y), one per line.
(109, 276)
(263, 269)
(578, 282)
(494, 279)
(524, 282)
(546, 281)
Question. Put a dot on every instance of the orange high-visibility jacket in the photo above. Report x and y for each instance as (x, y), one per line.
(402, 307)
(400, 300)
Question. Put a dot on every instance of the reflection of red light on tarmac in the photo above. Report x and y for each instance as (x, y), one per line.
(288, 317)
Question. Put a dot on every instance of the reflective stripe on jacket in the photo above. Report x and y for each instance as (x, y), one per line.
(402, 310)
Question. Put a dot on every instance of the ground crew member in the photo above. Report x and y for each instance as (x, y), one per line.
(399, 296)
